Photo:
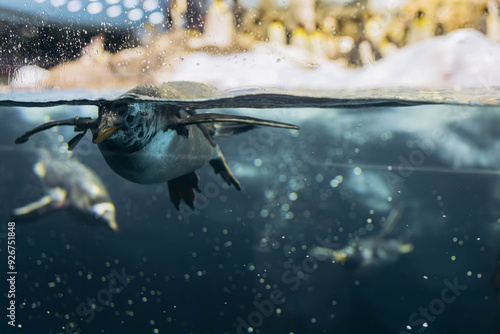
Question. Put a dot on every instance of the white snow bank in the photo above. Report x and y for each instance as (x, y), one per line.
(463, 58)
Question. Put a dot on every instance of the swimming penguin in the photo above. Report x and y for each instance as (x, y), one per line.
(370, 251)
(149, 142)
(70, 187)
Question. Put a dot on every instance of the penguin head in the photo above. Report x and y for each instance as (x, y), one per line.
(125, 127)
(105, 214)
(349, 257)
(112, 117)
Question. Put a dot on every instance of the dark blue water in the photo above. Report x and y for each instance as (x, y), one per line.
(243, 259)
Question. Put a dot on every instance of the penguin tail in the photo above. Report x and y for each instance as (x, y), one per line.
(182, 189)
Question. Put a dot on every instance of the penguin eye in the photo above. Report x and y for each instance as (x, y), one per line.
(120, 109)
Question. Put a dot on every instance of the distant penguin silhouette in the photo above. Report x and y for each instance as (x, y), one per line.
(370, 251)
(219, 30)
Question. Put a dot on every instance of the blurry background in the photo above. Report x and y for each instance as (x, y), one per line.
(54, 43)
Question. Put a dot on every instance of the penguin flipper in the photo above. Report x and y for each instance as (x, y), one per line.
(216, 118)
(32, 211)
(229, 129)
(182, 189)
(220, 167)
(391, 221)
(81, 124)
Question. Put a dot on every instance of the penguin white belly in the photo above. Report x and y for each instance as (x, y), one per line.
(168, 156)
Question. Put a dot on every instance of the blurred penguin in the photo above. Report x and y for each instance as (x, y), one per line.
(187, 14)
(493, 21)
(299, 38)
(421, 28)
(370, 251)
(320, 44)
(366, 54)
(396, 32)
(276, 34)
(219, 30)
(375, 31)
(177, 11)
(71, 187)
(303, 13)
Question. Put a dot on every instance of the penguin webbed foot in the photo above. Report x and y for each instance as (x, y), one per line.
(183, 189)
(220, 167)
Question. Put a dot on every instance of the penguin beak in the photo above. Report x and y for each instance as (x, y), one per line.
(339, 256)
(114, 226)
(106, 133)
(342, 255)
(106, 213)
(406, 248)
